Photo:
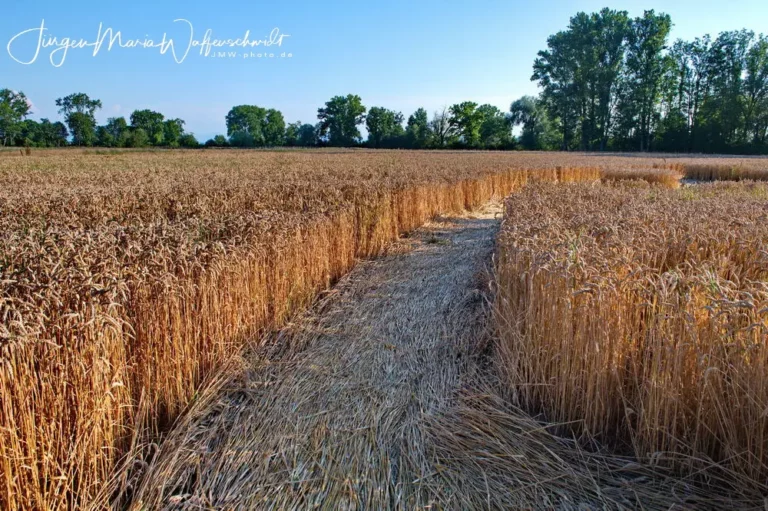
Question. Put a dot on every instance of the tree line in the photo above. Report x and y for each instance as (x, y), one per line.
(79, 128)
(612, 82)
(607, 82)
(464, 125)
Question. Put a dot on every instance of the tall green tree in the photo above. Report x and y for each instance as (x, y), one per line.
(537, 133)
(607, 81)
(710, 92)
(251, 125)
(556, 70)
(466, 120)
(14, 108)
(79, 112)
(417, 133)
(173, 130)
(247, 119)
(117, 129)
(292, 134)
(274, 128)
(696, 58)
(676, 100)
(52, 134)
(495, 128)
(385, 127)
(340, 118)
(723, 107)
(579, 73)
(78, 102)
(83, 129)
(308, 135)
(642, 85)
(151, 122)
(756, 94)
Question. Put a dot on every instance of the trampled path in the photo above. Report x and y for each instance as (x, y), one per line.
(378, 398)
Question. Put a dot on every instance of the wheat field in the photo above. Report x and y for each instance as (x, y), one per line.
(637, 316)
(128, 278)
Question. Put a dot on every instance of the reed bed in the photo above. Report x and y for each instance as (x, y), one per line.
(637, 317)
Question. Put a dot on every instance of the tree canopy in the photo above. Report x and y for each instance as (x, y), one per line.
(610, 82)
(340, 118)
(254, 126)
(14, 108)
(385, 127)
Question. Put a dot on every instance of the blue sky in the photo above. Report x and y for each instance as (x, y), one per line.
(398, 54)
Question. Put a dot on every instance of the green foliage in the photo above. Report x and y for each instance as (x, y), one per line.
(300, 135)
(495, 128)
(418, 134)
(642, 79)
(14, 108)
(137, 138)
(274, 128)
(173, 129)
(79, 112)
(78, 102)
(83, 129)
(217, 141)
(152, 123)
(117, 130)
(246, 119)
(715, 95)
(339, 120)
(385, 128)
(188, 141)
(104, 138)
(251, 125)
(30, 133)
(308, 135)
(241, 139)
(611, 82)
(538, 132)
(43, 133)
(607, 82)
(579, 73)
(466, 120)
(292, 134)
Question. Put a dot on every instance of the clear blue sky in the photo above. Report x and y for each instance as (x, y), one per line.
(398, 54)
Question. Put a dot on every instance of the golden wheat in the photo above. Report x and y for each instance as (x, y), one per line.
(127, 278)
(724, 172)
(638, 316)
